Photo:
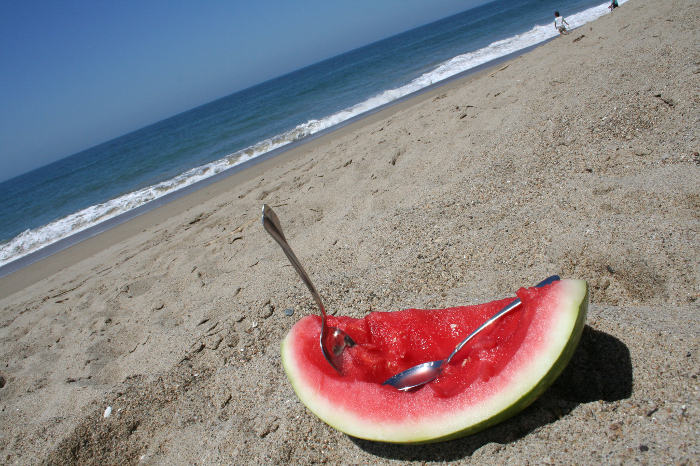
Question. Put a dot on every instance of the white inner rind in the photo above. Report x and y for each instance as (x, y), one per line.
(518, 378)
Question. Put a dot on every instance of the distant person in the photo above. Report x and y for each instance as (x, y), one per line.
(559, 23)
(613, 5)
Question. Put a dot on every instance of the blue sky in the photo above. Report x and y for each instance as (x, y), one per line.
(74, 74)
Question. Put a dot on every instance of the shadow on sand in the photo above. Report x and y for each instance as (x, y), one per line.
(601, 369)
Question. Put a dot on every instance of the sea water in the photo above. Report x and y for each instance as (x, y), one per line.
(48, 206)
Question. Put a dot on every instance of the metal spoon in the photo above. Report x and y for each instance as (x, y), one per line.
(428, 371)
(334, 338)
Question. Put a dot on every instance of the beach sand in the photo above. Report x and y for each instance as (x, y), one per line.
(577, 158)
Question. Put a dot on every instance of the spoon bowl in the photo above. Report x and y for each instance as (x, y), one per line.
(333, 340)
(421, 374)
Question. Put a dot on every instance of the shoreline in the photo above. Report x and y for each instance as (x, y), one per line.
(14, 275)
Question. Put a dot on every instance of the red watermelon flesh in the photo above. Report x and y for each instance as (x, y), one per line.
(495, 375)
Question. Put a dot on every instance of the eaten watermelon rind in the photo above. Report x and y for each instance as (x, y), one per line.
(533, 378)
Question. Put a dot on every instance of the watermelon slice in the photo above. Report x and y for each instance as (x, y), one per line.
(500, 372)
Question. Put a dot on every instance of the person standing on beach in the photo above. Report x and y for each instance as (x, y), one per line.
(559, 23)
(613, 5)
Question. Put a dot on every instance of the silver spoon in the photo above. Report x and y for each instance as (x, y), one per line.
(428, 371)
(336, 339)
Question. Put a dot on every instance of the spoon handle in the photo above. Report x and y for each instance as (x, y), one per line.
(272, 225)
(497, 316)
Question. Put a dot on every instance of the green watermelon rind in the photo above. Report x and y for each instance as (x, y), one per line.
(528, 398)
(577, 310)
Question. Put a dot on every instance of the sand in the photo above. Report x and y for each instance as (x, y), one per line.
(578, 158)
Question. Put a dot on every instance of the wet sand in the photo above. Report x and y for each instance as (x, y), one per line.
(578, 158)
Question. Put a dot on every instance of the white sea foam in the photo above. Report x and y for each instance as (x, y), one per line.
(32, 240)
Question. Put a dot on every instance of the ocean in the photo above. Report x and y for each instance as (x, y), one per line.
(56, 205)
